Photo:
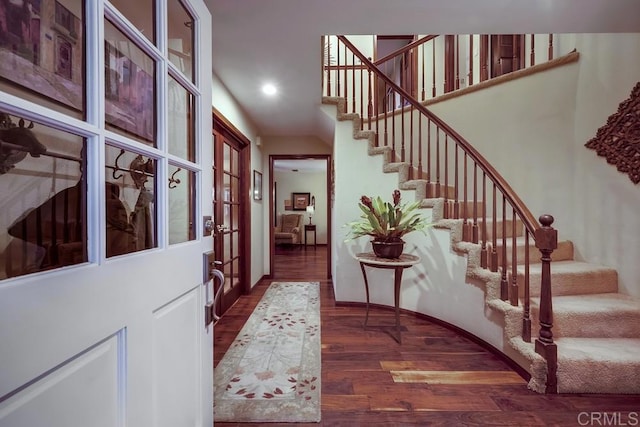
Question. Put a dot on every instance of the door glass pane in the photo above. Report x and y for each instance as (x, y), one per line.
(235, 251)
(227, 158)
(181, 205)
(140, 13)
(236, 272)
(235, 189)
(234, 217)
(227, 215)
(42, 47)
(130, 201)
(44, 205)
(224, 238)
(180, 28)
(228, 275)
(234, 162)
(181, 126)
(130, 100)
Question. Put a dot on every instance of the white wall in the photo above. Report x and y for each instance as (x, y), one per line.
(545, 120)
(231, 110)
(302, 144)
(437, 286)
(607, 224)
(314, 183)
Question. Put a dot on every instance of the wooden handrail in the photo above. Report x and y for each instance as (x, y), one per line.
(527, 217)
(406, 48)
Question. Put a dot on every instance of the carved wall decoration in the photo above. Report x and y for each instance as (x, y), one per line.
(619, 139)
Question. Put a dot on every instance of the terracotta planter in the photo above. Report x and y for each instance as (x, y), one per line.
(388, 249)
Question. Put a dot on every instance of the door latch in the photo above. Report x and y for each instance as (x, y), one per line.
(211, 273)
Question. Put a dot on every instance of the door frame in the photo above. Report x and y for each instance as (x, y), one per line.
(413, 86)
(224, 127)
(329, 175)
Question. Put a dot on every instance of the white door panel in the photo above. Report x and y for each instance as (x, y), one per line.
(90, 382)
(157, 297)
(175, 360)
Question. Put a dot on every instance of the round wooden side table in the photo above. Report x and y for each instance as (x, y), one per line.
(369, 259)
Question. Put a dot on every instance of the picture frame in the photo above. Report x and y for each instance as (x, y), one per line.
(257, 185)
(300, 201)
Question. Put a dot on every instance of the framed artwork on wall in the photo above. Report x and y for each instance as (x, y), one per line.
(257, 185)
(300, 201)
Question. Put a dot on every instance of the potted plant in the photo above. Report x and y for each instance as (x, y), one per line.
(387, 223)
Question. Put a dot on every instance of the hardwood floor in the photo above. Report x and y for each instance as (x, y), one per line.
(435, 377)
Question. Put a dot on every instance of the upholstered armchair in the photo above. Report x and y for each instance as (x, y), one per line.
(289, 229)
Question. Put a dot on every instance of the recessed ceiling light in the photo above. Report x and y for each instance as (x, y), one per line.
(269, 89)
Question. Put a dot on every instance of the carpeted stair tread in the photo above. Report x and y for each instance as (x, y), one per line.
(611, 315)
(564, 252)
(598, 365)
(571, 278)
(507, 230)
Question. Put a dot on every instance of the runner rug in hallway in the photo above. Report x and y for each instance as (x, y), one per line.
(271, 372)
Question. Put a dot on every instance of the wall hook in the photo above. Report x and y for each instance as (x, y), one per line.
(173, 181)
(117, 166)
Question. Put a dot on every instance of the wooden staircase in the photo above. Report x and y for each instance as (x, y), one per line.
(596, 328)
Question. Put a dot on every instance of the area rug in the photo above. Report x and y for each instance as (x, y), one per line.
(271, 372)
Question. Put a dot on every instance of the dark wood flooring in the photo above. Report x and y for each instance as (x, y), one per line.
(435, 377)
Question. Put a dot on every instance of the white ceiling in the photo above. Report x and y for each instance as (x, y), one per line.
(255, 41)
(300, 165)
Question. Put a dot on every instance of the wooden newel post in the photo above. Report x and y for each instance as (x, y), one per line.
(547, 242)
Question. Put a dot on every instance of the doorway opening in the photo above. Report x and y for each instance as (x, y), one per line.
(402, 69)
(299, 213)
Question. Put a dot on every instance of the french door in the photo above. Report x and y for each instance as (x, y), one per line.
(102, 295)
(230, 211)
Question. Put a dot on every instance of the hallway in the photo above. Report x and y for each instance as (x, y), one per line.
(435, 377)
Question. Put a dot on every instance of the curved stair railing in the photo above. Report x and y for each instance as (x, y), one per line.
(440, 163)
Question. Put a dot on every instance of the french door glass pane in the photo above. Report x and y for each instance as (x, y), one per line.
(235, 155)
(42, 51)
(181, 125)
(236, 272)
(236, 249)
(44, 205)
(180, 29)
(140, 13)
(130, 98)
(181, 205)
(130, 201)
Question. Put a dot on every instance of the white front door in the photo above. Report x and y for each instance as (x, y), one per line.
(102, 291)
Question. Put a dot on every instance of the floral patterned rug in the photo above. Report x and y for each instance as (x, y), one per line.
(271, 372)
